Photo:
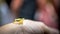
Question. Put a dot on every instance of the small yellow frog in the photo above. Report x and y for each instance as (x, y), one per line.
(19, 21)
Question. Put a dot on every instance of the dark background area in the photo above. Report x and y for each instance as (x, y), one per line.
(8, 2)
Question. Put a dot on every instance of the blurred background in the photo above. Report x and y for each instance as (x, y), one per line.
(5, 13)
(39, 10)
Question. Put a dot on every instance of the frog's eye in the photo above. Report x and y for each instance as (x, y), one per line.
(19, 20)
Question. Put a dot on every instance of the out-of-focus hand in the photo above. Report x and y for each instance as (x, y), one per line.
(28, 27)
(48, 15)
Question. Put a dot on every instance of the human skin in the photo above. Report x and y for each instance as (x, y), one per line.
(15, 5)
(28, 27)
